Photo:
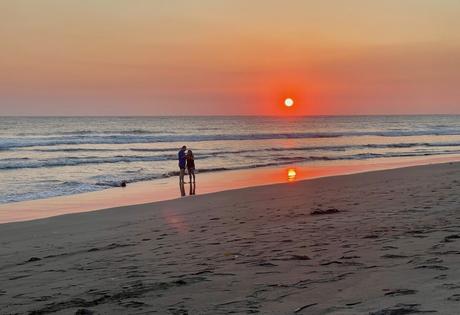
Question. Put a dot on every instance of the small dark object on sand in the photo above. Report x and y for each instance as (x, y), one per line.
(34, 259)
(300, 257)
(84, 311)
(180, 282)
(123, 183)
(399, 292)
(327, 211)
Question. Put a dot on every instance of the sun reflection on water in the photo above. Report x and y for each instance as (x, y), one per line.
(291, 174)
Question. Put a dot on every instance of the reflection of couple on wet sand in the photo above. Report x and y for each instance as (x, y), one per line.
(186, 161)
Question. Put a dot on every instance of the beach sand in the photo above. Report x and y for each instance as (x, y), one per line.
(392, 244)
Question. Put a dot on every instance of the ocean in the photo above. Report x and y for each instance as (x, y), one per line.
(42, 157)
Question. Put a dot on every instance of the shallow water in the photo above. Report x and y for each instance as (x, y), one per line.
(54, 156)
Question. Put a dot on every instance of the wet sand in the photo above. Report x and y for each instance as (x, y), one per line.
(384, 242)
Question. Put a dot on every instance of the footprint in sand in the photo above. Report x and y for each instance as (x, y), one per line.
(449, 286)
(400, 292)
(434, 267)
(400, 309)
(451, 238)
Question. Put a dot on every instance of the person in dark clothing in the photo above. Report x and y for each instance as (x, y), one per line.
(182, 157)
(191, 165)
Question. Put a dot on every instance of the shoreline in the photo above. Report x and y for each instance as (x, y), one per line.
(391, 245)
(167, 189)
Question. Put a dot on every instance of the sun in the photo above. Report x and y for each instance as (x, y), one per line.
(288, 102)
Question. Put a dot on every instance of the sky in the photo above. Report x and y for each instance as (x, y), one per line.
(235, 57)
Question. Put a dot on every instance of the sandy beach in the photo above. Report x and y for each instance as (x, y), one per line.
(229, 157)
(383, 242)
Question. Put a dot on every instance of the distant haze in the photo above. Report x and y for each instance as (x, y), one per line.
(208, 57)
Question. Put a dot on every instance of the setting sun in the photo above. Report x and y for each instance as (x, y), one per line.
(288, 102)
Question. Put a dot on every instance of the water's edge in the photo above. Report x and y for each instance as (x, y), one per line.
(141, 192)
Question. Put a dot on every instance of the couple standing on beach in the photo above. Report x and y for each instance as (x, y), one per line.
(186, 160)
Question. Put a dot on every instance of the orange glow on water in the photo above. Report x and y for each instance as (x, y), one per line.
(141, 192)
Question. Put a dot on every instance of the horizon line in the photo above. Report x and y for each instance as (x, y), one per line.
(214, 115)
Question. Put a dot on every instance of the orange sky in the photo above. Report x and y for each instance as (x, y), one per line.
(143, 57)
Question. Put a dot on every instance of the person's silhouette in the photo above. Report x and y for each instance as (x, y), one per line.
(182, 163)
(182, 157)
(191, 165)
